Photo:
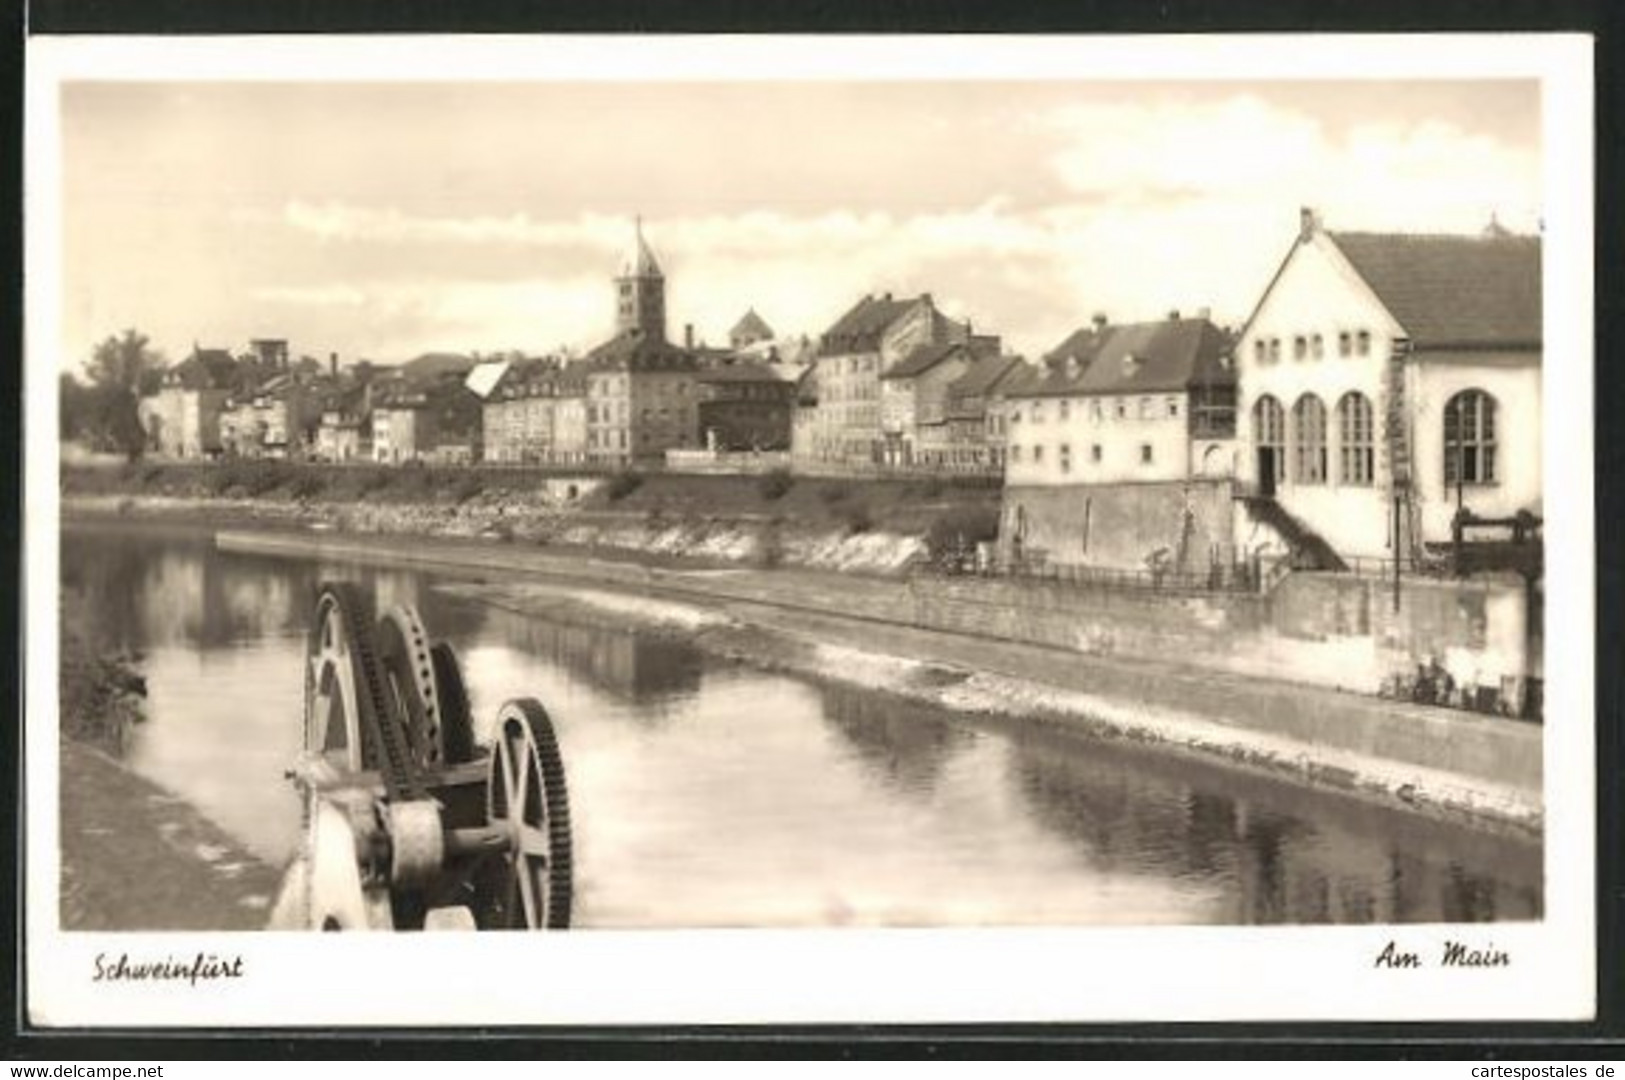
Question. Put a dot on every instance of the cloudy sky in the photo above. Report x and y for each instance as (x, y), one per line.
(384, 220)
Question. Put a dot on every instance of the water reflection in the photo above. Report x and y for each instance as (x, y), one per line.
(716, 795)
(1352, 862)
(905, 743)
(639, 667)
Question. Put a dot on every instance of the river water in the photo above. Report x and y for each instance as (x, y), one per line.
(704, 793)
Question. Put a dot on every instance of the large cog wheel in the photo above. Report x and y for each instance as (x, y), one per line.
(531, 885)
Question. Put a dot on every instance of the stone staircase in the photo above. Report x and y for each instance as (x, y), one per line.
(1309, 549)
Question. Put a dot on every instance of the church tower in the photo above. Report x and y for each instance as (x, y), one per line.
(641, 294)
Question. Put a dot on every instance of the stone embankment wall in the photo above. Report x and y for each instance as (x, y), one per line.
(1261, 663)
(1120, 526)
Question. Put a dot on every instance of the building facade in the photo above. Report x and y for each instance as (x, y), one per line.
(1150, 403)
(914, 402)
(403, 427)
(277, 419)
(182, 420)
(1117, 452)
(975, 412)
(744, 405)
(1388, 378)
(865, 343)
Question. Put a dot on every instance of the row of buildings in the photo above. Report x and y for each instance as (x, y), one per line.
(1382, 383)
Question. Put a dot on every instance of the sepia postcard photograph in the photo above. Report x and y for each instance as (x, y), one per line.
(726, 530)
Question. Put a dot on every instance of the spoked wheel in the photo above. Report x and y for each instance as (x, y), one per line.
(342, 685)
(410, 685)
(530, 886)
(456, 718)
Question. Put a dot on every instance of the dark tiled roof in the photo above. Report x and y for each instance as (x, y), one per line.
(1453, 291)
(1081, 344)
(1063, 369)
(984, 376)
(922, 358)
(632, 351)
(740, 371)
(1168, 355)
(861, 328)
(751, 325)
(205, 369)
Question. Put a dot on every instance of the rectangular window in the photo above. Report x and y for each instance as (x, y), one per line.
(1145, 453)
(1095, 413)
(1173, 406)
(1345, 343)
(1038, 412)
(1122, 409)
(1259, 350)
(1066, 409)
(1317, 346)
(1145, 408)
(1015, 454)
(1066, 458)
(1094, 453)
(1275, 349)
(1300, 347)
(1363, 343)
(1038, 455)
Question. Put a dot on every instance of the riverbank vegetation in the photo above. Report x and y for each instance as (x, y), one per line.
(947, 517)
(101, 696)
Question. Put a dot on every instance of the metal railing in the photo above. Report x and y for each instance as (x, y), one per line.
(1239, 577)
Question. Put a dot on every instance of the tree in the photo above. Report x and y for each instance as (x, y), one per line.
(121, 369)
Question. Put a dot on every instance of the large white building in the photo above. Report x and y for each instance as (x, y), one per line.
(1142, 403)
(1387, 377)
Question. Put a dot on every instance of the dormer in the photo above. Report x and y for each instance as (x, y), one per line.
(1131, 365)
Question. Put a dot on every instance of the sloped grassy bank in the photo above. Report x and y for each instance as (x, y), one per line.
(867, 526)
(134, 856)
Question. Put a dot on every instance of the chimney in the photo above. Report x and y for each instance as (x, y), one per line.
(1173, 315)
(333, 364)
(888, 297)
(1308, 223)
(688, 335)
(1099, 321)
(1204, 313)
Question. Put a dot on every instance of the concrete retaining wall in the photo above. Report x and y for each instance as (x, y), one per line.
(1121, 526)
(1264, 664)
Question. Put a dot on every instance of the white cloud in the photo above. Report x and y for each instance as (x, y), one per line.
(311, 296)
(1166, 206)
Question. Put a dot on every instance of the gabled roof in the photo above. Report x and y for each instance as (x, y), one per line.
(862, 327)
(205, 369)
(632, 350)
(1172, 354)
(1453, 292)
(1080, 345)
(1063, 368)
(922, 358)
(751, 325)
(741, 371)
(984, 376)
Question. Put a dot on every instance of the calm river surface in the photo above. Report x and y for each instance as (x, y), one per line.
(710, 794)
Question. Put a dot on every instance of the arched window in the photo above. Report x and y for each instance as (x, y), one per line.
(1355, 456)
(1309, 440)
(1269, 435)
(1469, 438)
